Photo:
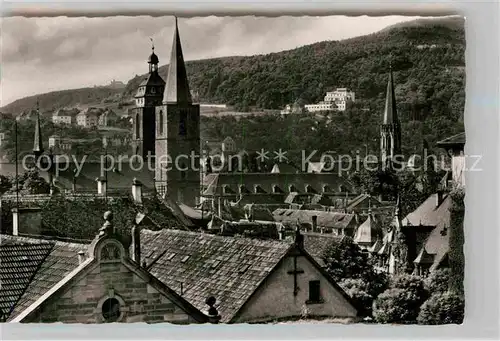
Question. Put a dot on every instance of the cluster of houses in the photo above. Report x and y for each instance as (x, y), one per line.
(334, 101)
(88, 117)
(191, 246)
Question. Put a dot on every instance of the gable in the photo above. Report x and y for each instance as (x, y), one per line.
(275, 299)
(110, 288)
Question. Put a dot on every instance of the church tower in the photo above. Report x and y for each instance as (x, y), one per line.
(390, 130)
(178, 134)
(148, 96)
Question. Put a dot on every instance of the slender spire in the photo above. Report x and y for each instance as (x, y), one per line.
(37, 144)
(390, 114)
(177, 87)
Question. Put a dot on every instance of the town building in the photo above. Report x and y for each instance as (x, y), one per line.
(88, 117)
(321, 106)
(454, 145)
(340, 95)
(108, 118)
(65, 116)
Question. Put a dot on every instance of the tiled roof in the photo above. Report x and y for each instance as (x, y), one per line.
(284, 168)
(18, 265)
(228, 268)
(55, 259)
(283, 181)
(152, 78)
(354, 203)
(327, 219)
(317, 243)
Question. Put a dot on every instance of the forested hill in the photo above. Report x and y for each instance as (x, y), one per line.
(427, 57)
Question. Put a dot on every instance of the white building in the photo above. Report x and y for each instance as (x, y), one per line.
(340, 97)
(321, 106)
(65, 116)
(88, 118)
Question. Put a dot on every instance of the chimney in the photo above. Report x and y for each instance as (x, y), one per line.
(213, 313)
(15, 221)
(299, 238)
(26, 221)
(81, 257)
(136, 238)
(137, 191)
(439, 198)
(101, 186)
(314, 223)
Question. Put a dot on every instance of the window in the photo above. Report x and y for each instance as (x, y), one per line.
(111, 310)
(153, 90)
(160, 122)
(137, 127)
(184, 260)
(182, 123)
(314, 292)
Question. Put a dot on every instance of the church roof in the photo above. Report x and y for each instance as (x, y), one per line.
(38, 144)
(390, 113)
(151, 79)
(424, 257)
(177, 89)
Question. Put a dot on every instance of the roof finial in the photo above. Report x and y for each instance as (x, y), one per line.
(152, 44)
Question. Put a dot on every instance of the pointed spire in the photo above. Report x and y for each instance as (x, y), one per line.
(390, 114)
(37, 144)
(177, 87)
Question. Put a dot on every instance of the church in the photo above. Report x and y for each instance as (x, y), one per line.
(166, 127)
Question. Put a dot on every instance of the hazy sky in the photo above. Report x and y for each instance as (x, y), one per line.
(45, 54)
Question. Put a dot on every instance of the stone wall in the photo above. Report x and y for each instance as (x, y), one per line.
(81, 301)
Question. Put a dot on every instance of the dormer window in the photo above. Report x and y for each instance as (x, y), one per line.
(277, 189)
(226, 189)
(326, 189)
(309, 189)
(292, 188)
(258, 189)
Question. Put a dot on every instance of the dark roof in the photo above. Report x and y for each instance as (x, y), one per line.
(334, 220)
(228, 268)
(316, 244)
(18, 265)
(153, 58)
(390, 112)
(267, 181)
(457, 140)
(152, 78)
(177, 90)
(50, 261)
(77, 216)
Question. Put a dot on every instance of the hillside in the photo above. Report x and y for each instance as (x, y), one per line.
(429, 68)
(52, 101)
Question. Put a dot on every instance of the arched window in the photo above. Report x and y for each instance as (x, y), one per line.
(160, 122)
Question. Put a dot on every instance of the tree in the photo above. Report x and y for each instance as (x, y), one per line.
(5, 184)
(442, 308)
(351, 267)
(438, 281)
(30, 182)
(401, 302)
